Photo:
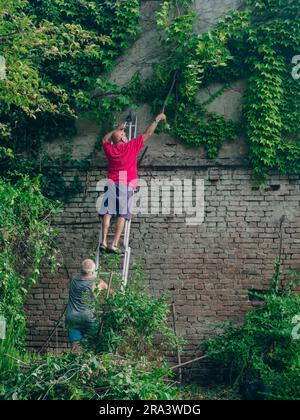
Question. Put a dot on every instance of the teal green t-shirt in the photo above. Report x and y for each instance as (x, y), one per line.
(79, 313)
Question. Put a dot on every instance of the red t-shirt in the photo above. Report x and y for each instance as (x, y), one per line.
(122, 157)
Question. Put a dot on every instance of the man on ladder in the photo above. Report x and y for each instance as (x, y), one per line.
(122, 157)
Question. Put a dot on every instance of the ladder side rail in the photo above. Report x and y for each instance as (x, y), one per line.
(126, 270)
(127, 233)
(130, 131)
(135, 126)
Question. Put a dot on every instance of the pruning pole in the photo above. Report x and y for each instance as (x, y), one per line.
(169, 93)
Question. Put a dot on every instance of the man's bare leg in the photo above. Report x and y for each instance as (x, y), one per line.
(120, 223)
(105, 228)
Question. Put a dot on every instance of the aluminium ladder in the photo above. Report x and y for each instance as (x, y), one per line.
(132, 132)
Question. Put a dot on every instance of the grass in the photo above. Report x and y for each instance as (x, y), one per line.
(216, 392)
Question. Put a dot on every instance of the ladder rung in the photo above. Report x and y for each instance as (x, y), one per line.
(108, 273)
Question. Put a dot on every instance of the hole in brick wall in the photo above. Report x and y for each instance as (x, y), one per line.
(274, 187)
(257, 295)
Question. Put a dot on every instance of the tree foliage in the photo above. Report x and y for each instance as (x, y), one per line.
(55, 51)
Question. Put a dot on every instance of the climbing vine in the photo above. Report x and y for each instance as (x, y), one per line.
(256, 43)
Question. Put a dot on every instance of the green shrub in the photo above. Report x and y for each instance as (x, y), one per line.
(129, 323)
(26, 244)
(263, 349)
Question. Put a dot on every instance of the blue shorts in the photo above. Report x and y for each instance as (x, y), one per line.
(75, 335)
(117, 201)
(78, 326)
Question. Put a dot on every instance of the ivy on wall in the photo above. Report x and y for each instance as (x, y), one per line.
(59, 52)
(256, 43)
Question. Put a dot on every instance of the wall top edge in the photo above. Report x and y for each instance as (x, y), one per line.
(164, 164)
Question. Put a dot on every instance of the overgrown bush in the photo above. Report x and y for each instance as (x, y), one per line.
(132, 323)
(26, 243)
(264, 349)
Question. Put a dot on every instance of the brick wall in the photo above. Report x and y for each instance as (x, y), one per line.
(208, 269)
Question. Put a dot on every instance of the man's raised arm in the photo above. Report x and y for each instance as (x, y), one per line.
(107, 136)
(150, 130)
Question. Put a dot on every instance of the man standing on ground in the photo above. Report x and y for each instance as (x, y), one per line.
(79, 316)
(122, 175)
